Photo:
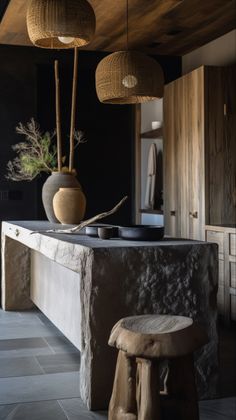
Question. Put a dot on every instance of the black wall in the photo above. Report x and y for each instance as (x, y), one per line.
(104, 164)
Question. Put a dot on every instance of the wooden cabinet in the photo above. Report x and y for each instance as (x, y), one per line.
(225, 237)
(184, 156)
(199, 151)
(200, 167)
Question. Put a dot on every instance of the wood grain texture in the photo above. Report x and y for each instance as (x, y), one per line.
(148, 387)
(184, 156)
(200, 151)
(123, 402)
(220, 146)
(157, 336)
(172, 27)
(194, 122)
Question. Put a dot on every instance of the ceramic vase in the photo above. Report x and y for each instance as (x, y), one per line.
(69, 205)
(51, 186)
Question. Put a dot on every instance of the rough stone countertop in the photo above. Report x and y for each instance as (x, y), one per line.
(86, 241)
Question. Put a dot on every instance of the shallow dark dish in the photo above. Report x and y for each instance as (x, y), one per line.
(142, 232)
(92, 230)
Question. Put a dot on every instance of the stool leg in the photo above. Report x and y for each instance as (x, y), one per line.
(147, 390)
(182, 388)
(123, 403)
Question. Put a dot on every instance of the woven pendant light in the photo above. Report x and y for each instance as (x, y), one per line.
(60, 24)
(128, 77)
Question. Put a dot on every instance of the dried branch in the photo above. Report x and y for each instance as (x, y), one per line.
(36, 154)
(79, 138)
(99, 216)
(86, 222)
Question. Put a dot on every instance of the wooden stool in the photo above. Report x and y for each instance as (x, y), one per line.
(143, 343)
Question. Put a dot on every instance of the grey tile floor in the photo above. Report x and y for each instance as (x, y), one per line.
(39, 374)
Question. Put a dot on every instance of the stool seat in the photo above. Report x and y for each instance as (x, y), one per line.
(157, 336)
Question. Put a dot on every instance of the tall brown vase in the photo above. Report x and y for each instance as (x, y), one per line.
(69, 205)
(54, 182)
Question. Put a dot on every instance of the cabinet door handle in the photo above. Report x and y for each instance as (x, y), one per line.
(172, 212)
(193, 214)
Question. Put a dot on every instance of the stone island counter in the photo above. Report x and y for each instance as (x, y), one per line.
(85, 285)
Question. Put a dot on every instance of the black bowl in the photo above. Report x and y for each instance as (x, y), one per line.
(92, 230)
(142, 232)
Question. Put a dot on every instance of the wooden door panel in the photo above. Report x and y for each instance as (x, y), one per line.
(194, 97)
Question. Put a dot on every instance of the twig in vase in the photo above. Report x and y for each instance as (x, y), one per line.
(58, 116)
(86, 222)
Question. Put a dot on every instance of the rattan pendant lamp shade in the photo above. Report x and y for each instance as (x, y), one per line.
(60, 23)
(128, 77)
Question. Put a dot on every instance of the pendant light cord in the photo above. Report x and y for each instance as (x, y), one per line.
(127, 25)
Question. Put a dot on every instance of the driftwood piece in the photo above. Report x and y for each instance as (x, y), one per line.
(58, 116)
(86, 222)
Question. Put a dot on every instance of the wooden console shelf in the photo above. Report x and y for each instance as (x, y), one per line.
(152, 134)
(151, 211)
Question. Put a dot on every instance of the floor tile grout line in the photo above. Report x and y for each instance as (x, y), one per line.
(35, 357)
(58, 401)
(41, 401)
(37, 401)
(49, 346)
(25, 376)
(12, 412)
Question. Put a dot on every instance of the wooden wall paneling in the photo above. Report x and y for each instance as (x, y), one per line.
(214, 133)
(220, 145)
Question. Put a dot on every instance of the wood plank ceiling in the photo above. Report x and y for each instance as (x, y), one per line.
(173, 27)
